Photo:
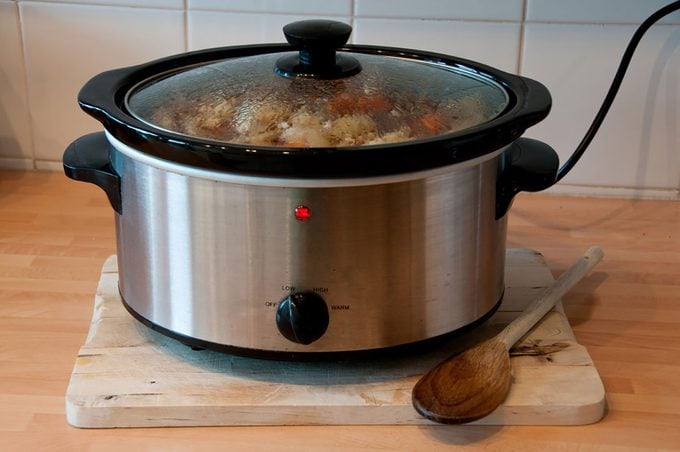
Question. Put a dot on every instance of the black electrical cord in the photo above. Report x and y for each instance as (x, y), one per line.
(614, 88)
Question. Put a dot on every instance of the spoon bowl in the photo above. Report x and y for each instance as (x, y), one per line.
(472, 384)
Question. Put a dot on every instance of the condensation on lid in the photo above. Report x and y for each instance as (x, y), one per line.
(243, 101)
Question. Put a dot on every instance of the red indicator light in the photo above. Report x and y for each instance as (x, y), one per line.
(303, 213)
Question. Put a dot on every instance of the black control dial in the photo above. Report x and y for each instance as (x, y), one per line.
(302, 317)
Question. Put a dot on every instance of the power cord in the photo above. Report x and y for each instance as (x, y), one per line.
(614, 88)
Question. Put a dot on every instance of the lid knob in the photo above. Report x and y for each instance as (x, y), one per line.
(317, 41)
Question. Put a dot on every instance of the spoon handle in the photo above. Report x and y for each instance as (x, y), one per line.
(545, 302)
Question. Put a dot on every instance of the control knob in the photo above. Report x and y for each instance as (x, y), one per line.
(302, 317)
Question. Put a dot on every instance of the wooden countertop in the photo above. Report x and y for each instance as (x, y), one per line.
(55, 234)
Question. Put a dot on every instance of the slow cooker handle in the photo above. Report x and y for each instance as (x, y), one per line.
(87, 159)
(528, 165)
(317, 41)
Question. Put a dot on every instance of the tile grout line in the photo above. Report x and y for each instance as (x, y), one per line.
(187, 44)
(24, 62)
(353, 14)
(352, 20)
(522, 33)
(97, 5)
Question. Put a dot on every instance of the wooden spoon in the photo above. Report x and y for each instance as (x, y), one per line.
(471, 385)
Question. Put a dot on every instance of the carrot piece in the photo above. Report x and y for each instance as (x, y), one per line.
(341, 104)
(296, 144)
(432, 122)
(372, 103)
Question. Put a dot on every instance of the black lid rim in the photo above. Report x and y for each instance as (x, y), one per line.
(103, 97)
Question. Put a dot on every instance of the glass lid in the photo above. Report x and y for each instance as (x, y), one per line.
(317, 97)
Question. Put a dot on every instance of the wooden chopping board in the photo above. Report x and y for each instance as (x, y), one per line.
(127, 375)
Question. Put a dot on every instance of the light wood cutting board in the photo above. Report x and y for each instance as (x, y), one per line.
(127, 375)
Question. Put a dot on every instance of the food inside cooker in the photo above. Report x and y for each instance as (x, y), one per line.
(242, 100)
(341, 119)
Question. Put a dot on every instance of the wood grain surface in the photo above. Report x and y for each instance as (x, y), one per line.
(126, 375)
(55, 234)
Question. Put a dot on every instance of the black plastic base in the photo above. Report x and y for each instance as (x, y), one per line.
(385, 352)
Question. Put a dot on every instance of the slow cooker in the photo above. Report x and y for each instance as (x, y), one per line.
(314, 198)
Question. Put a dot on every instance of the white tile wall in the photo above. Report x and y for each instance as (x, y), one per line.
(220, 28)
(494, 43)
(15, 133)
(171, 4)
(310, 7)
(485, 10)
(66, 44)
(597, 11)
(51, 47)
(639, 143)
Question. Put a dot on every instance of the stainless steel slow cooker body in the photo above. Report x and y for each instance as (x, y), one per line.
(301, 253)
(210, 255)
